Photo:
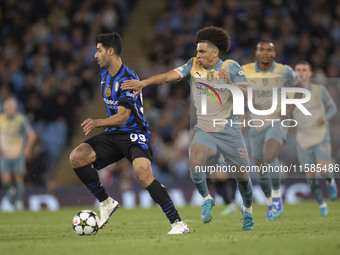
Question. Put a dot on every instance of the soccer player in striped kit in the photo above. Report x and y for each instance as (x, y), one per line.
(126, 135)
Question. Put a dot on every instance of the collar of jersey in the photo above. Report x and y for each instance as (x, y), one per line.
(217, 66)
(271, 69)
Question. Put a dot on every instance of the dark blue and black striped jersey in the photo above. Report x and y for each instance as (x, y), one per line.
(114, 96)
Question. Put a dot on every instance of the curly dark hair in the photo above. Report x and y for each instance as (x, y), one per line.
(110, 40)
(215, 35)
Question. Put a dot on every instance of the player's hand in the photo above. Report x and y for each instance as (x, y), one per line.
(223, 74)
(135, 85)
(322, 120)
(88, 125)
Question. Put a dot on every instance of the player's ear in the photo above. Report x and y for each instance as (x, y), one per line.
(111, 51)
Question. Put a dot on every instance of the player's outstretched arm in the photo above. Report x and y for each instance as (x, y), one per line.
(137, 86)
(116, 120)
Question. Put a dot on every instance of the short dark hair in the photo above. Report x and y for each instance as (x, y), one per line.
(304, 62)
(215, 35)
(266, 41)
(110, 40)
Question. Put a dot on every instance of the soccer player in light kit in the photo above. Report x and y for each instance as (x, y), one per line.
(126, 135)
(204, 72)
(14, 149)
(266, 141)
(312, 134)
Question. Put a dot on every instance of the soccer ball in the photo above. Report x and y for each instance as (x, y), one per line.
(85, 223)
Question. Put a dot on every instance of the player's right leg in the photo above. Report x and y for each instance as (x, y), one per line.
(198, 156)
(18, 170)
(6, 183)
(257, 138)
(6, 179)
(82, 159)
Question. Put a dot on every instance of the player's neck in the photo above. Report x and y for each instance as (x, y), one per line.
(212, 64)
(115, 66)
(264, 67)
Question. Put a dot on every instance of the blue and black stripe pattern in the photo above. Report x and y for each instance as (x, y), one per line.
(170, 211)
(114, 96)
(95, 187)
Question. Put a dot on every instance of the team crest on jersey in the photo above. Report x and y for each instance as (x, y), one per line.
(116, 86)
(210, 76)
(265, 81)
(108, 91)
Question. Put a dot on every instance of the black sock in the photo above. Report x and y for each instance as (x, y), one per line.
(160, 196)
(89, 176)
(221, 189)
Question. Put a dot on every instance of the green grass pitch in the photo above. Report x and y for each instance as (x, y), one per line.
(143, 231)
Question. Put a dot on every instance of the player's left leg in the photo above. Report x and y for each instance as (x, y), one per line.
(143, 172)
(329, 178)
(246, 190)
(317, 192)
(275, 138)
(235, 153)
(20, 192)
(257, 138)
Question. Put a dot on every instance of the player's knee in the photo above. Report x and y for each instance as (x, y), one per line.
(79, 157)
(269, 157)
(144, 175)
(196, 161)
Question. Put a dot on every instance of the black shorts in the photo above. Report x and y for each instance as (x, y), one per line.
(112, 147)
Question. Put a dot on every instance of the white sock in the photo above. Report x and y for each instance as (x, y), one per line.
(269, 201)
(248, 210)
(207, 197)
(323, 205)
(276, 192)
(332, 182)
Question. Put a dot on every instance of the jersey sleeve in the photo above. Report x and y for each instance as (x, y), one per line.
(292, 77)
(236, 73)
(329, 103)
(126, 98)
(184, 70)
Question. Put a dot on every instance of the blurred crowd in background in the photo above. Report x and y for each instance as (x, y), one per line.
(46, 62)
